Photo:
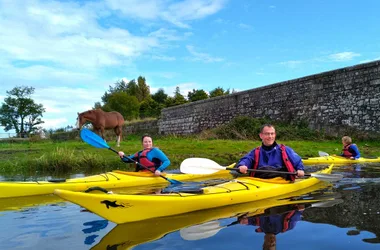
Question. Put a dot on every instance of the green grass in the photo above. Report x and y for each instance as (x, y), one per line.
(74, 156)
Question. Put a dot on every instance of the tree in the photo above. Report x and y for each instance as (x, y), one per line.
(132, 88)
(197, 95)
(20, 112)
(143, 90)
(177, 99)
(128, 106)
(97, 105)
(219, 92)
(160, 96)
(150, 108)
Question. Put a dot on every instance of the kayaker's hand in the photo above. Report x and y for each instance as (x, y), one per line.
(243, 169)
(121, 154)
(300, 173)
(352, 158)
(157, 173)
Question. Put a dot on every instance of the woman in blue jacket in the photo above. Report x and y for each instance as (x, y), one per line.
(150, 157)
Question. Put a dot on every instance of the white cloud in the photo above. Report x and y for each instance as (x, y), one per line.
(245, 26)
(70, 52)
(198, 56)
(292, 63)
(343, 56)
(177, 13)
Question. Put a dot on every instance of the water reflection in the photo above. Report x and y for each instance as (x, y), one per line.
(205, 224)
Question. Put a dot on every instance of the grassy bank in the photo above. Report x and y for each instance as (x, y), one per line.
(53, 158)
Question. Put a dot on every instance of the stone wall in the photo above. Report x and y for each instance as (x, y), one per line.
(141, 127)
(347, 97)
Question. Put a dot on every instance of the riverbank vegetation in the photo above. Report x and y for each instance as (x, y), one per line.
(225, 145)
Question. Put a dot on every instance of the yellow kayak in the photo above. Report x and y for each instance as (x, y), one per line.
(127, 208)
(337, 160)
(114, 179)
(129, 235)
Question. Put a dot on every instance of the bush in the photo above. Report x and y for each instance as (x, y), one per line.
(64, 136)
(247, 128)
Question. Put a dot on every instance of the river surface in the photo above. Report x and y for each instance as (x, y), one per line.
(344, 215)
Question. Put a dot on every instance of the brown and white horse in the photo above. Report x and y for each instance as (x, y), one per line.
(101, 120)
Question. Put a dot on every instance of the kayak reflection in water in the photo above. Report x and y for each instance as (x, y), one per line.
(284, 220)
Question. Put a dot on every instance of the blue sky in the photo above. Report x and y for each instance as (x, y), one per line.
(71, 51)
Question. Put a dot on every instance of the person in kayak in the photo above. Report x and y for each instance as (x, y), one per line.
(150, 157)
(350, 150)
(271, 156)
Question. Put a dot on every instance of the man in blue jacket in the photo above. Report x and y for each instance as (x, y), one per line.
(271, 225)
(271, 156)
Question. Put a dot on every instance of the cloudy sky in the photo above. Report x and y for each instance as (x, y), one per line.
(71, 51)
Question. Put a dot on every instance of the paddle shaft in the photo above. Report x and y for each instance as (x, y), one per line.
(267, 171)
(138, 163)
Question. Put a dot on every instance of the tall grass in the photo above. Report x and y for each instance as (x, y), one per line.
(225, 145)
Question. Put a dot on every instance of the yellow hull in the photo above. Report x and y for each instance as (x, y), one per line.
(127, 208)
(115, 179)
(129, 235)
(337, 160)
(9, 204)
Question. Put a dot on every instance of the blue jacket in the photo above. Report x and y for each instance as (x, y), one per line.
(154, 155)
(272, 158)
(275, 223)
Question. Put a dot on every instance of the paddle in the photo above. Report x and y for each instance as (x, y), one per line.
(98, 142)
(203, 231)
(207, 166)
(321, 153)
(209, 229)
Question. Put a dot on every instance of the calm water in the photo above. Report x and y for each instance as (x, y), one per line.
(351, 222)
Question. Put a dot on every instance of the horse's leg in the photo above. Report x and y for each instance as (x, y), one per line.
(102, 132)
(118, 136)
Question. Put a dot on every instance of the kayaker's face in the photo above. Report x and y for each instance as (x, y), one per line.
(268, 136)
(147, 142)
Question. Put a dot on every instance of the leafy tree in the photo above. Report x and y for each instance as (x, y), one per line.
(132, 88)
(160, 96)
(20, 112)
(121, 86)
(150, 108)
(197, 95)
(97, 105)
(177, 99)
(128, 106)
(219, 92)
(143, 90)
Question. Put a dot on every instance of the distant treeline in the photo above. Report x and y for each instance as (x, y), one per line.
(134, 101)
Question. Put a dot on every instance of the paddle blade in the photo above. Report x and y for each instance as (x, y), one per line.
(172, 181)
(329, 203)
(201, 231)
(321, 153)
(93, 139)
(200, 166)
(328, 177)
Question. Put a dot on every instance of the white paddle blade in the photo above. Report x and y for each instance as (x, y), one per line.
(201, 231)
(328, 203)
(200, 166)
(321, 153)
(327, 177)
